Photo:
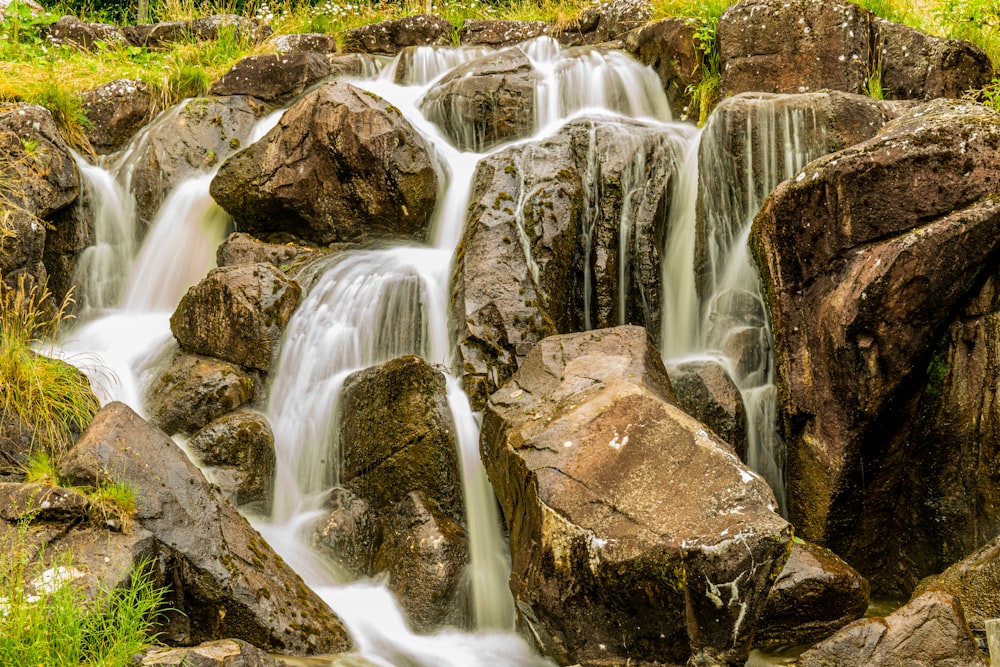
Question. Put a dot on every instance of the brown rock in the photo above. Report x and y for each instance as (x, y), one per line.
(706, 392)
(341, 165)
(219, 653)
(353, 65)
(239, 447)
(497, 33)
(273, 78)
(240, 248)
(351, 533)
(603, 22)
(160, 35)
(243, 28)
(71, 30)
(315, 42)
(975, 583)
(40, 502)
(116, 111)
(668, 47)
(390, 37)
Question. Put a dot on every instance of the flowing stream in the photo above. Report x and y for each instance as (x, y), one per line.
(366, 306)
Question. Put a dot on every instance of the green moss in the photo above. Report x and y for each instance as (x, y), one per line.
(937, 373)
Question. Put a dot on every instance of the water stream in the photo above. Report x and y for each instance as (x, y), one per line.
(371, 305)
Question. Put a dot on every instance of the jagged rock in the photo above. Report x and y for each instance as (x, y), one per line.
(219, 653)
(242, 248)
(867, 255)
(974, 581)
(353, 65)
(603, 22)
(195, 390)
(223, 576)
(793, 46)
(159, 35)
(425, 554)
(188, 138)
(315, 42)
(706, 392)
(390, 37)
(40, 502)
(341, 165)
(239, 447)
(668, 47)
(74, 32)
(397, 436)
(273, 78)
(913, 65)
(929, 630)
(243, 28)
(116, 111)
(485, 102)
(476, 32)
(237, 313)
(635, 533)
(530, 212)
(815, 595)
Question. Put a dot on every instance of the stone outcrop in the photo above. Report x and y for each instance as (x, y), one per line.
(499, 33)
(635, 533)
(239, 448)
(237, 313)
(342, 165)
(532, 210)
(194, 390)
(602, 22)
(116, 111)
(706, 392)
(392, 36)
(868, 254)
(975, 583)
(485, 102)
(273, 78)
(240, 248)
(815, 595)
(668, 47)
(224, 579)
(929, 631)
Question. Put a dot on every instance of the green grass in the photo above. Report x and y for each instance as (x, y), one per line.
(57, 624)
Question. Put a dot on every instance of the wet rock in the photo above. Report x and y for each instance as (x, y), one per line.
(191, 137)
(239, 447)
(353, 65)
(243, 29)
(425, 554)
(219, 653)
(341, 165)
(74, 32)
(195, 390)
(40, 502)
(603, 22)
(397, 436)
(777, 46)
(615, 561)
(159, 35)
(485, 102)
(40, 176)
(918, 66)
(237, 313)
(975, 583)
(815, 595)
(390, 37)
(240, 248)
(350, 534)
(315, 42)
(668, 47)
(499, 33)
(273, 78)
(223, 576)
(889, 237)
(116, 111)
(532, 210)
(706, 392)
(929, 630)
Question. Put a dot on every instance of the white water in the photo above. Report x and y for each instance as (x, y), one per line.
(354, 316)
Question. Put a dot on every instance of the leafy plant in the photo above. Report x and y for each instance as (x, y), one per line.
(705, 94)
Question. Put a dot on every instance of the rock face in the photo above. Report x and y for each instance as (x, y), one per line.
(668, 47)
(930, 630)
(815, 595)
(274, 79)
(116, 111)
(194, 390)
(186, 139)
(603, 22)
(635, 533)
(975, 583)
(867, 256)
(552, 219)
(237, 313)
(485, 102)
(341, 165)
(801, 46)
(223, 575)
(391, 37)
(706, 392)
(494, 33)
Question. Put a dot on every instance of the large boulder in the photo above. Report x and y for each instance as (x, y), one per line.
(602, 22)
(928, 631)
(668, 46)
(706, 392)
(499, 33)
(636, 534)
(342, 165)
(868, 254)
(240, 248)
(553, 213)
(39, 174)
(392, 36)
(273, 78)
(191, 137)
(116, 111)
(793, 46)
(485, 102)
(225, 580)
(815, 595)
(237, 313)
(975, 582)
